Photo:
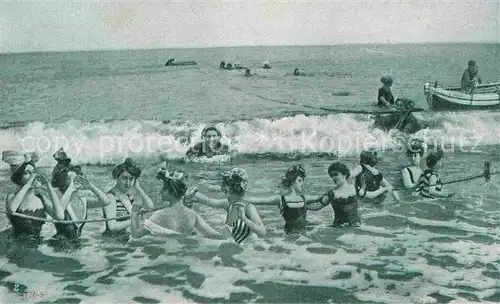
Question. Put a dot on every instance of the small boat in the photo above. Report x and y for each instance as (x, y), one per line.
(172, 63)
(484, 97)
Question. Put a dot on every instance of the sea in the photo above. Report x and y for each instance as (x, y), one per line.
(104, 106)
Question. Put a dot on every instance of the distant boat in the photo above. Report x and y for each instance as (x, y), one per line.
(172, 63)
(484, 97)
(231, 66)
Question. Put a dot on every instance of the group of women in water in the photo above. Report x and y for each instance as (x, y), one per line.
(63, 200)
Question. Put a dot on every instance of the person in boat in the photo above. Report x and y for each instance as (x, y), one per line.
(429, 184)
(292, 203)
(35, 196)
(248, 73)
(243, 220)
(411, 174)
(470, 77)
(343, 197)
(177, 219)
(368, 178)
(120, 199)
(211, 145)
(385, 97)
(69, 180)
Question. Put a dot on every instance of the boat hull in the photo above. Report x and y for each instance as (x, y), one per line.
(441, 99)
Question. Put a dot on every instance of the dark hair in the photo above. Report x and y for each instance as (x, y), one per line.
(127, 166)
(18, 173)
(291, 176)
(236, 180)
(471, 63)
(61, 170)
(176, 186)
(211, 128)
(433, 158)
(415, 146)
(368, 157)
(339, 167)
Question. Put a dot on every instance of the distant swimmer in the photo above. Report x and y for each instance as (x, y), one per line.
(266, 65)
(411, 174)
(248, 73)
(343, 197)
(120, 198)
(177, 219)
(367, 177)
(242, 220)
(292, 203)
(34, 196)
(470, 77)
(385, 97)
(296, 72)
(429, 184)
(211, 145)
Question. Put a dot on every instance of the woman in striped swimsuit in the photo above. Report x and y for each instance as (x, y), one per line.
(293, 204)
(120, 200)
(242, 219)
(429, 184)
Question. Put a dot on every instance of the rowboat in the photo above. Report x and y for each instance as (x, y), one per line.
(483, 97)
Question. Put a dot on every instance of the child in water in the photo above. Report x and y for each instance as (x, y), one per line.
(177, 219)
(210, 146)
(366, 175)
(242, 219)
(342, 198)
(429, 184)
(293, 204)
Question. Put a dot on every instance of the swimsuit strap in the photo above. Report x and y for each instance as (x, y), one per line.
(412, 179)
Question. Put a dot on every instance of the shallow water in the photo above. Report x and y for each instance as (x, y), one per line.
(104, 106)
(446, 249)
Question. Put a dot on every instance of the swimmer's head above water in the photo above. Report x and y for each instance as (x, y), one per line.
(22, 166)
(211, 136)
(368, 157)
(294, 178)
(416, 150)
(125, 174)
(235, 182)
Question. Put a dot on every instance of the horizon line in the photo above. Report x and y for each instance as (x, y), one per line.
(176, 47)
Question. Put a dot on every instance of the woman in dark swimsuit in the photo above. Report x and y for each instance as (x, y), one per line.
(293, 204)
(30, 199)
(120, 200)
(342, 198)
(242, 219)
(75, 207)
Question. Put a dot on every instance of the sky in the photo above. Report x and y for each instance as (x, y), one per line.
(63, 26)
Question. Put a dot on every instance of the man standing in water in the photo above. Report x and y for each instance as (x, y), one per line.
(470, 77)
(210, 146)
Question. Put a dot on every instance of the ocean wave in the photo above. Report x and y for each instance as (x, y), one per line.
(289, 137)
